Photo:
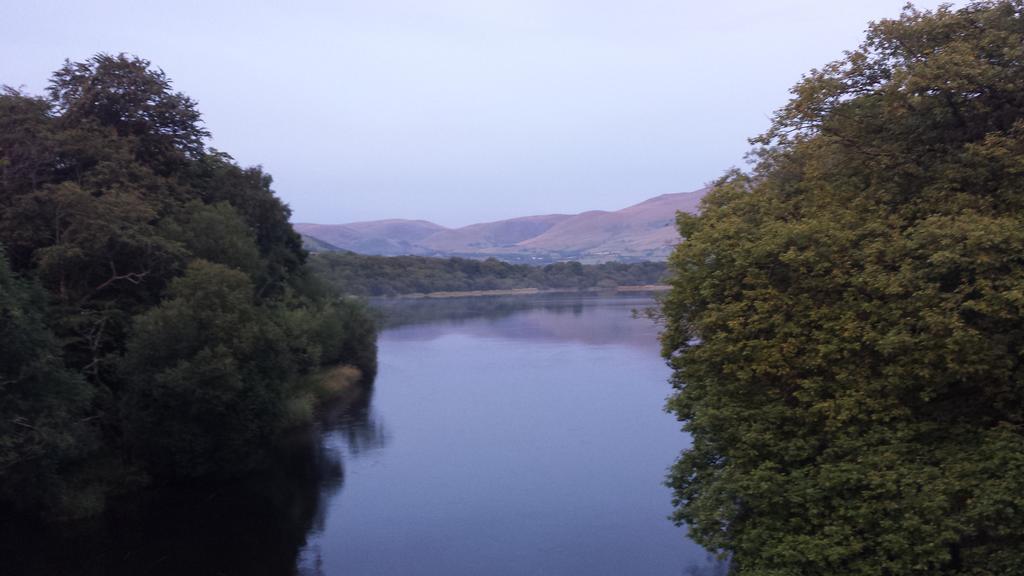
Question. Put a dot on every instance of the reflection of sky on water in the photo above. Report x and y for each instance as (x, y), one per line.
(523, 438)
(606, 321)
(500, 438)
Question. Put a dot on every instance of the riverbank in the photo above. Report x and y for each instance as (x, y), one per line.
(534, 291)
(340, 385)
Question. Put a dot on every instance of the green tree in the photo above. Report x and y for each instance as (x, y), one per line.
(216, 233)
(845, 322)
(248, 191)
(206, 371)
(43, 420)
(27, 143)
(351, 273)
(127, 94)
(157, 310)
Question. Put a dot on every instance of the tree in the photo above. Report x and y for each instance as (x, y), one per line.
(126, 94)
(78, 213)
(249, 193)
(845, 322)
(152, 294)
(205, 371)
(42, 415)
(216, 233)
(27, 143)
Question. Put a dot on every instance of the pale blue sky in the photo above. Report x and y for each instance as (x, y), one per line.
(458, 111)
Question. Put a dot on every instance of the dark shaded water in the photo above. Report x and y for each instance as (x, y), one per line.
(510, 436)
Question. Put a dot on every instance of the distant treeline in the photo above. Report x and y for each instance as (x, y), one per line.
(157, 319)
(363, 275)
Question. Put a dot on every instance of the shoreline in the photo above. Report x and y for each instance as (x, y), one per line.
(328, 389)
(528, 292)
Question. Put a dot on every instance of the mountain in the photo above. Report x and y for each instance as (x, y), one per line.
(644, 231)
(492, 235)
(382, 237)
(314, 245)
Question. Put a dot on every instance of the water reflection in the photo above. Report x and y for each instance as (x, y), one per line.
(710, 567)
(252, 527)
(503, 436)
(355, 424)
(525, 436)
(545, 317)
(401, 312)
(395, 312)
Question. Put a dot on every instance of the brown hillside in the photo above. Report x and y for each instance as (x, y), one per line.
(500, 234)
(644, 231)
(638, 229)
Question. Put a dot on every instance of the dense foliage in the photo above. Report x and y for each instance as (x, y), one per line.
(846, 322)
(157, 314)
(364, 275)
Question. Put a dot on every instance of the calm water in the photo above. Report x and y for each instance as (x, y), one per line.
(524, 437)
(516, 436)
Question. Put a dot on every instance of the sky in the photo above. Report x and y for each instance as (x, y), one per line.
(461, 111)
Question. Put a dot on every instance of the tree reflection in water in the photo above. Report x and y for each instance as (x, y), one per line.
(254, 526)
(395, 312)
(712, 567)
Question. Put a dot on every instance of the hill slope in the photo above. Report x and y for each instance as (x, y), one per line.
(644, 231)
(492, 235)
(379, 237)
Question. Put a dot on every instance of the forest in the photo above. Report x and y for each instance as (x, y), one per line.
(158, 321)
(364, 275)
(845, 318)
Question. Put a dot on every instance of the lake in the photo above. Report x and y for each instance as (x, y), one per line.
(503, 436)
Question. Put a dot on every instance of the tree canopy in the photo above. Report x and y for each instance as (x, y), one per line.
(135, 100)
(845, 323)
(158, 314)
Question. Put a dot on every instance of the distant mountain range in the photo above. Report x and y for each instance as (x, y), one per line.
(644, 231)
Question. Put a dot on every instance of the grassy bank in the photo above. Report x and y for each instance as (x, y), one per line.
(336, 384)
